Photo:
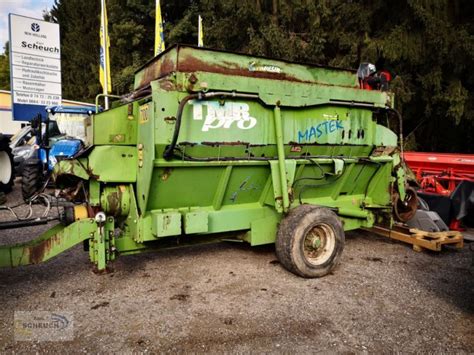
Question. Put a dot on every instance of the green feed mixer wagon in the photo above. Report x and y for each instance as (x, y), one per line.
(211, 142)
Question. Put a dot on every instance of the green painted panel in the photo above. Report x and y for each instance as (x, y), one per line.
(76, 167)
(116, 126)
(183, 187)
(245, 185)
(196, 222)
(264, 230)
(145, 228)
(249, 122)
(379, 188)
(234, 218)
(166, 224)
(94, 193)
(112, 163)
(291, 94)
(145, 152)
(385, 137)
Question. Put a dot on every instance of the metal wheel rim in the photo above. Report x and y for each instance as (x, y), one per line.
(319, 243)
(405, 210)
(5, 168)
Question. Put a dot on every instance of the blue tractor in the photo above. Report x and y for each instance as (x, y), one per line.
(63, 135)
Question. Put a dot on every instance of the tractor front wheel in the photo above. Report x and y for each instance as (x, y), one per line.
(310, 241)
(6, 165)
(31, 179)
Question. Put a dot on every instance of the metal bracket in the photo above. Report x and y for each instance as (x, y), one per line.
(401, 182)
(280, 190)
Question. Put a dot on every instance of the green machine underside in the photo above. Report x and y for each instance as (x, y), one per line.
(213, 142)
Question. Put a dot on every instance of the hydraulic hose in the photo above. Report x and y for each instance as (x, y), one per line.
(26, 223)
(168, 153)
(400, 127)
(402, 143)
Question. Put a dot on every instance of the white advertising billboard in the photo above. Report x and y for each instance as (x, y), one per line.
(35, 66)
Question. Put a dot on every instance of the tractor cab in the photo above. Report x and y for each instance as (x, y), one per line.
(66, 132)
(70, 121)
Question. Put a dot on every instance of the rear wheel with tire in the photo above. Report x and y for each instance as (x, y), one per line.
(6, 165)
(31, 179)
(310, 241)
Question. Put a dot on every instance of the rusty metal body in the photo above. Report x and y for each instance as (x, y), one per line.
(213, 142)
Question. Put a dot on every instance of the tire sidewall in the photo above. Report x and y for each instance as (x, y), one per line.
(4, 147)
(313, 218)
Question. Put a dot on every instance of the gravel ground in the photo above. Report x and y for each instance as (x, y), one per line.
(230, 297)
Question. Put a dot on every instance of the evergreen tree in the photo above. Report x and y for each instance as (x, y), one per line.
(427, 44)
(79, 30)
(5, 69)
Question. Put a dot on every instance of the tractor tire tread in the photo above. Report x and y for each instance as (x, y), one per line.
(286, 239)
(31, 181)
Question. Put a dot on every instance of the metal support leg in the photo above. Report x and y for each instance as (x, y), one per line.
(281, 158)
(99, 248)
(102, 245)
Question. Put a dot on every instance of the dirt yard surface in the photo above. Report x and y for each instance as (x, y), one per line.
(234, 298)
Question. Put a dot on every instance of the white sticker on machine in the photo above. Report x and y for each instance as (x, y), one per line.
(227, 115)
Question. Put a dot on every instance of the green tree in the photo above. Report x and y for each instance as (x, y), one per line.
(79, 29)
(5, 69)
(427, 44)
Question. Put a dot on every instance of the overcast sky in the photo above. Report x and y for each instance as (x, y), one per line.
(30, 8)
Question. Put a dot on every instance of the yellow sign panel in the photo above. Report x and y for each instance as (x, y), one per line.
(144, 113)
